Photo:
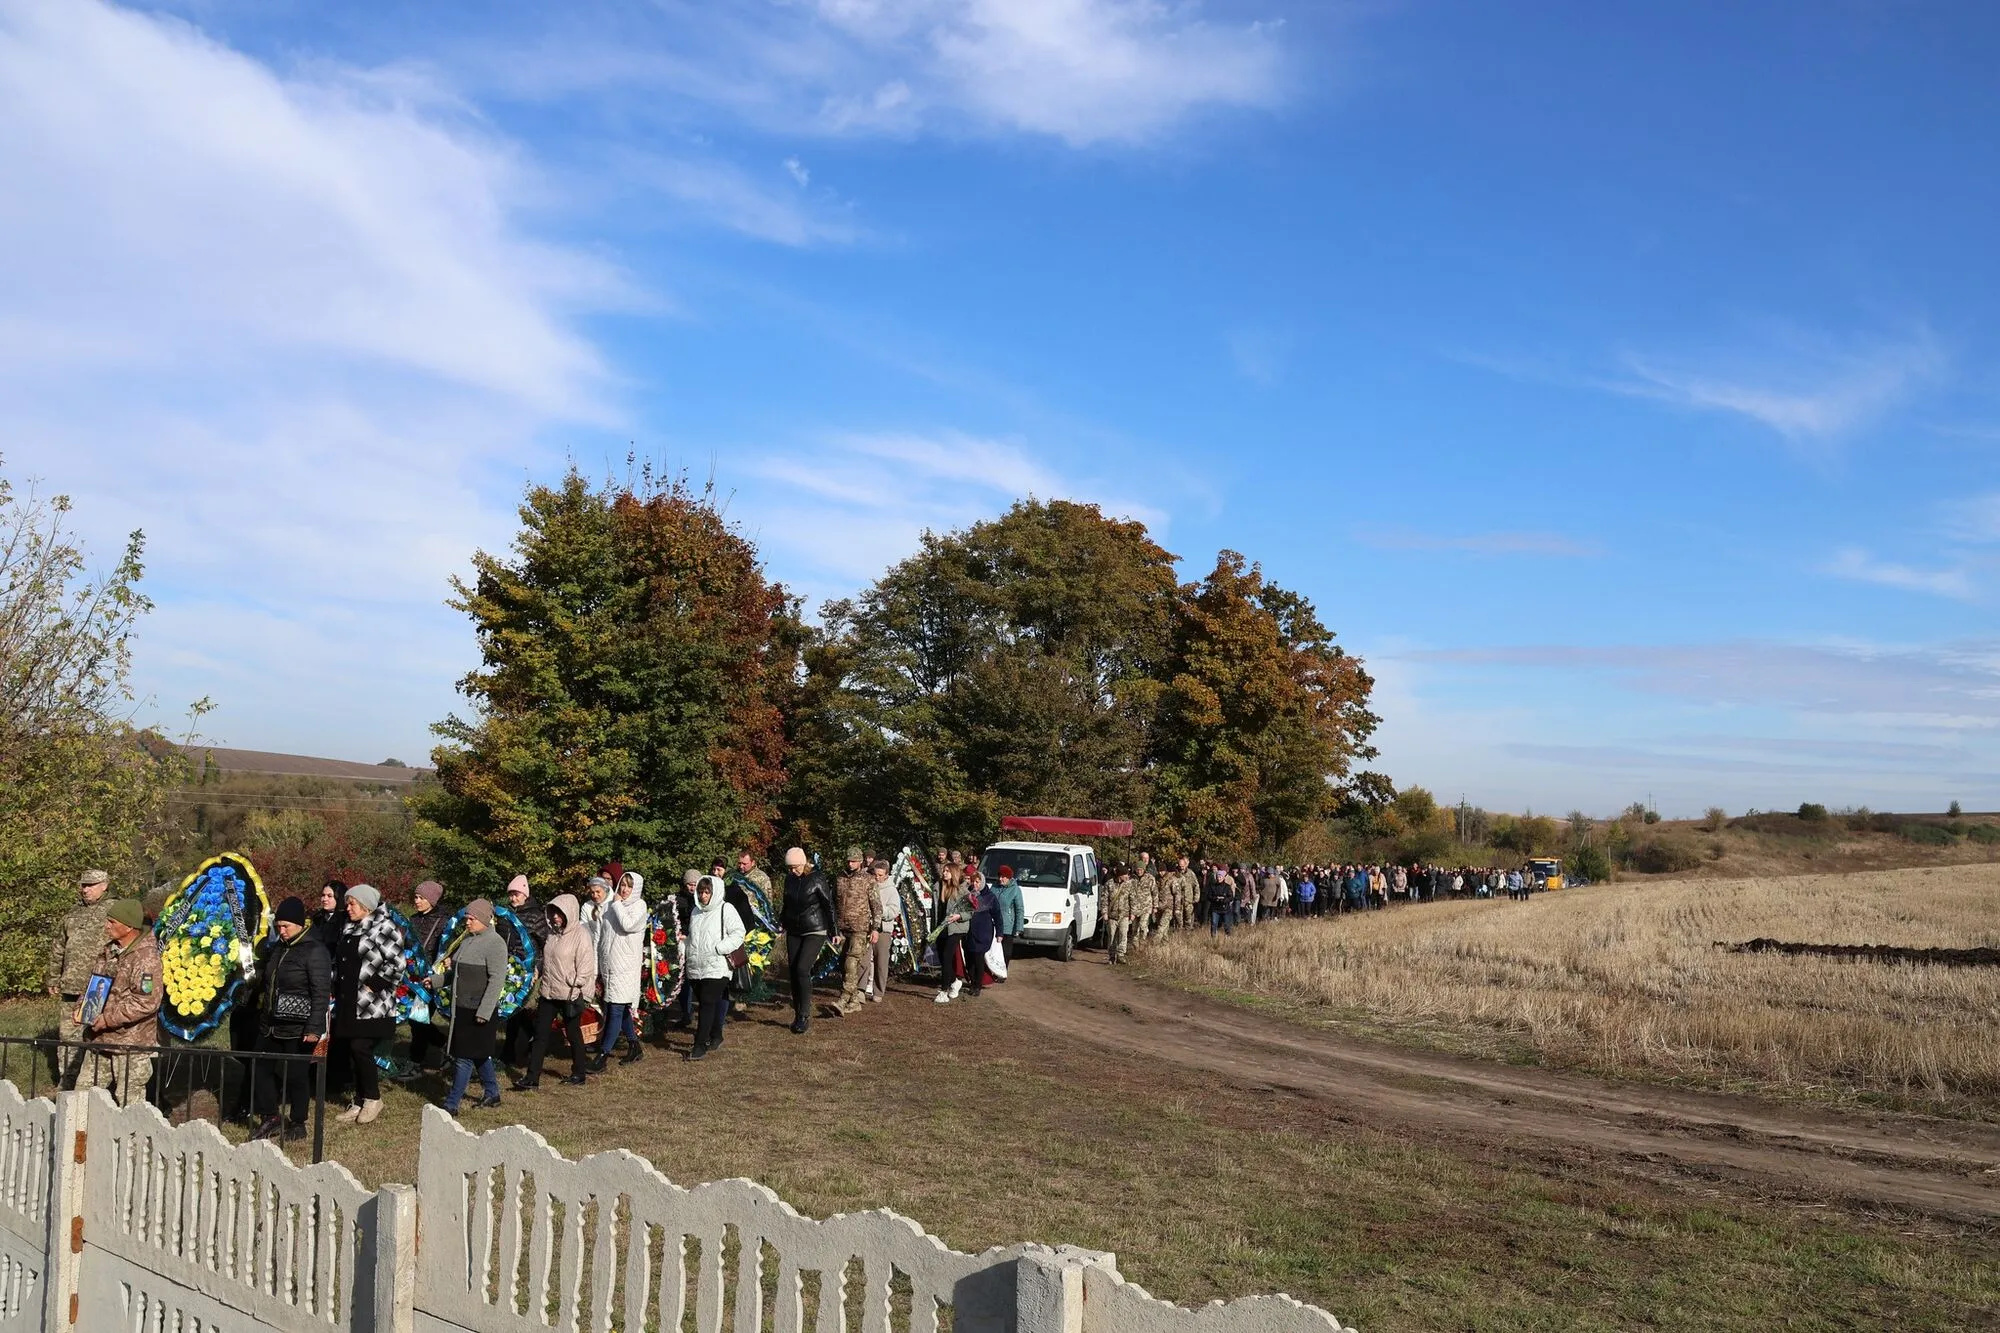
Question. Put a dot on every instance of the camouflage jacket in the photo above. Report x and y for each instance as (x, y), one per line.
(859, 909)
(79, 939)
(1146, 897)
(131, 1015)
(1118, 898)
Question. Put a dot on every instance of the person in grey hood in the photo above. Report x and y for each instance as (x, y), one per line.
(479, 973)
(715, 933)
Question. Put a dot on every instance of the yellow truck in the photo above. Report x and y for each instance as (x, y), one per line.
(1547, 870)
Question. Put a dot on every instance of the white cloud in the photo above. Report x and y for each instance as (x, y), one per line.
(1851, 562)
(797, 171)
(1976, 519)
(728, 196)
(848, 508)
(1080, 71)
(169, 202)
(294, 328)
(1801, 388)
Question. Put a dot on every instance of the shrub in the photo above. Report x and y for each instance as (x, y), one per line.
(1954, 811)
(1664, 855)
(1590, 862)
(1652, 816)
(1812, 811)
(1715, 819)
(1983, 833)
(1928, 835)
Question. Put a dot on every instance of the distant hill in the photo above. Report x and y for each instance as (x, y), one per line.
(303, 766)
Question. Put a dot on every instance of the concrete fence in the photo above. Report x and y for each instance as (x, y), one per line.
(114, 1221)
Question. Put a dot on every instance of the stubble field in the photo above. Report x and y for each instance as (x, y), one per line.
(1628, 980)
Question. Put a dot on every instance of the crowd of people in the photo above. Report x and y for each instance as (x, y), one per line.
(329, 972)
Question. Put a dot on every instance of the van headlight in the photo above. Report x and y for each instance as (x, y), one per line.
(1047, 918)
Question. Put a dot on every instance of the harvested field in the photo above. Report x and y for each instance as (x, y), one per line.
(1628, 980)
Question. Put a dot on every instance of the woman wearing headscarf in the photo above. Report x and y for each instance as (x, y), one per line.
(479, 975)
(621, 959)
(715, 933)
(569, 976)
(367, 968)
(427, 924)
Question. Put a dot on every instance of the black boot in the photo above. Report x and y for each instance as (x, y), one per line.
(634, 1052)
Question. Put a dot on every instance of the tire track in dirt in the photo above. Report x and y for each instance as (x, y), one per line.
(1939, 1167)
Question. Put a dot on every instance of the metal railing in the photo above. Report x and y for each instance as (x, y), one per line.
(239, 1080)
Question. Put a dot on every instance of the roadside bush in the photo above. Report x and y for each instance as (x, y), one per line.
(1590, 862)
(1664, 855)
(1812, 812)
(1715, 819)
(1928, 835)
(1987, 833)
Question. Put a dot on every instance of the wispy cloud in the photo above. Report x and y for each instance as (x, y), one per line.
(720, 193)
(1801, 388)
(1947, 686)
(1480, 543)
(1851, 562)
(1080, 71)
(1975, 519)
(1258, 355)
(846, 508)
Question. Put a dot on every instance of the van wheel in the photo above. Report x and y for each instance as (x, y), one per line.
(1067, 949)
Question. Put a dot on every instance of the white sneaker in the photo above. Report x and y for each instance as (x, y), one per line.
(942, 997)
(956, 987)
(369, 1110)
(349, 1116)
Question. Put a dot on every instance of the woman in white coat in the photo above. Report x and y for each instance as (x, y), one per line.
(715, 932)
(621, 957)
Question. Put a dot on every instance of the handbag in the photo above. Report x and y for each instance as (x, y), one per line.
(738, 958)
(291, 1006)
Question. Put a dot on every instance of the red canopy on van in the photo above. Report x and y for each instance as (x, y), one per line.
(1077, 828)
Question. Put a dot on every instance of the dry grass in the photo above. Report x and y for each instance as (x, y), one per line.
(1627, 980)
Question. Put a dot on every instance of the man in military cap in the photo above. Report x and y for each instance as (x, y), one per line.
(130, 1018)
(1118, 916)
(1184, 894)
(1145, 899)
(79, 938)
(860, 922)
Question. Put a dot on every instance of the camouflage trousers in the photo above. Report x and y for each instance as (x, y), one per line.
(124, 1075)
(1118, 940)
(1163, 925)
(854, 969)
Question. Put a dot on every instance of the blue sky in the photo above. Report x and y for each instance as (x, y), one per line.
(1621, 381)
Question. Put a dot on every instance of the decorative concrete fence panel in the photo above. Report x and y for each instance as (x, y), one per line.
(182, 1229)
(114, 1221)
(27, 1165)
(513, 1237)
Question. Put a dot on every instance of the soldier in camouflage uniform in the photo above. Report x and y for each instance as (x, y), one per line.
(859, 919)
(130, 1021)
(79, 939)
(1145, 898)
(1184, 894)
(1118, 916)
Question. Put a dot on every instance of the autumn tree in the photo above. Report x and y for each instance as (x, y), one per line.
(82, 786)
(1259, 713)
(634, 664)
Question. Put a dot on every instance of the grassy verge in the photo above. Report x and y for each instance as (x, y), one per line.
(988, 1133)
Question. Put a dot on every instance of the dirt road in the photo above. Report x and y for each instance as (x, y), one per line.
(1943, 1168)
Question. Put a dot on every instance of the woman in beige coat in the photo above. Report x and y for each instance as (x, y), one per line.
(569, 979)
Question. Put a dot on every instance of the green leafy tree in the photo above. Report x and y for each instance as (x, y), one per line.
(634, 665)
(82, 786)
(1009, 668)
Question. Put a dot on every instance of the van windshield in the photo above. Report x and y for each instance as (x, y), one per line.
(1032, 870)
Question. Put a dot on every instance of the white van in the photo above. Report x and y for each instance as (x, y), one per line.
(1059, 890)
